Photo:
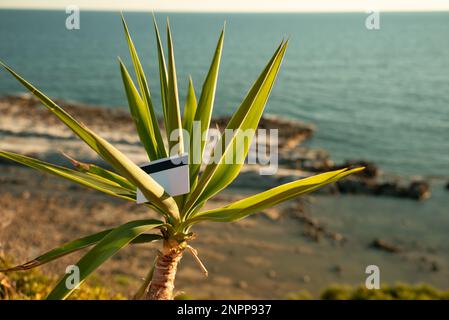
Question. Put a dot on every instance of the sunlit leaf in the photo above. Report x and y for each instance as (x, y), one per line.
(218, 174)
(147, 117)
(205, 106)
(242, 208)
(174, 122)
(163, 78)
(140, 115)
(87, 180)
(103, 250)
(189, 108)
(100, 172)
(74, 246)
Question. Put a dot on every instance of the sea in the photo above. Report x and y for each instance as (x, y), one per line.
(375, 94)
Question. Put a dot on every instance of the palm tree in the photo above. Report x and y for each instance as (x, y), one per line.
(177, 214)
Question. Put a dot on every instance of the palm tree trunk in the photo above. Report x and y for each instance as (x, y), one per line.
(163, 280)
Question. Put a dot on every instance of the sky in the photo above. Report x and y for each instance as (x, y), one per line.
(236, 5)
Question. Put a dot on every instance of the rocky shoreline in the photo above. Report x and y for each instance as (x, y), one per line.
(22, 119)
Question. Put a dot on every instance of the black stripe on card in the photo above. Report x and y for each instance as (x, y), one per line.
(163, 165)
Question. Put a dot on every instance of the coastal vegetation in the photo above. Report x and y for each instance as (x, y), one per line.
(177, 215)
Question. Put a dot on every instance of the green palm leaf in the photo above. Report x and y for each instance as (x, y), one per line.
(106, 248)
(187, 123)
(241, 209)
(141, 116)
(146, 238)
(189, 108)
(91, 181)
(100, 172)
(68, 120)
(219, 174)
(61, 251)
(74, 246)
(147, 117)
(173, 114)
(205, 105)
(162, 74)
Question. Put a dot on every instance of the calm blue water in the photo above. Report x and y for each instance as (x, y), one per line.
(380, 95)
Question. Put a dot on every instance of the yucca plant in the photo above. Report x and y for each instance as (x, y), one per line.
(177, 214)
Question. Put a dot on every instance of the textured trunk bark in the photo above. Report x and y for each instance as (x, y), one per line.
(163, 280)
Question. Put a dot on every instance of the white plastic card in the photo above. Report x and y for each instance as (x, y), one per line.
(171, 173)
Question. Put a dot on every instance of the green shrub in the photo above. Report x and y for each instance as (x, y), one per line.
(399, 291)
(300, 295)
